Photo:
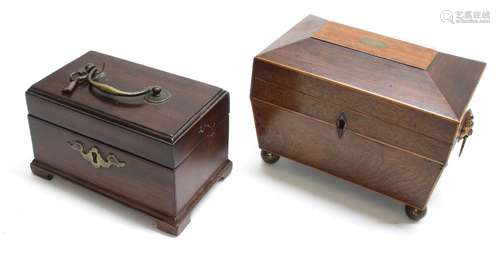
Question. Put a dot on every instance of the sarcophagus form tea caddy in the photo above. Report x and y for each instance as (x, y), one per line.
(376, 111)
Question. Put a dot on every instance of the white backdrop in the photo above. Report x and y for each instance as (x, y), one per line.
(281, 213)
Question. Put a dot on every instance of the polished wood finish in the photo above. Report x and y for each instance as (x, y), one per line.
(188, 96)
(379, 167)
(172, 152)
(390, 48)
(358, 74)
(166, 123)
(301, 31)
(360, 122)
(402, 115)
(457, 79)
(166, 223)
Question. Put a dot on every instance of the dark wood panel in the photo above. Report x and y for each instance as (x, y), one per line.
(167, 195)
(112, 133)
(130, 140)
(384, 169)
(210, 154)
(143, 182)
(214, 116)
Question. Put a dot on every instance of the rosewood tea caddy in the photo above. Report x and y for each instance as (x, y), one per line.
(376, 111)
(151, 140)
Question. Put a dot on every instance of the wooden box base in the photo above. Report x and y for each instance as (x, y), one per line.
(172, 225)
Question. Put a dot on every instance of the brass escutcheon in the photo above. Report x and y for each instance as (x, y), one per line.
(373, 42)
(94, 156)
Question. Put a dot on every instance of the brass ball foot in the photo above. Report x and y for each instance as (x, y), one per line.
(415, 214)
(269, 157)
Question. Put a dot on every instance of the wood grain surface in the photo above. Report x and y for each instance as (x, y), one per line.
(402, 105)
(168, 195)
(384, 47)
(381, 168)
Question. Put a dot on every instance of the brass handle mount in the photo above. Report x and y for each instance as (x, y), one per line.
(466, 129)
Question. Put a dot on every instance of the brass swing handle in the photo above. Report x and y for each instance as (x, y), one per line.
(91, 75)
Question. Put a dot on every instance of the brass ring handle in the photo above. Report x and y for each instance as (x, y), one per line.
(466, 129)
(91, 73)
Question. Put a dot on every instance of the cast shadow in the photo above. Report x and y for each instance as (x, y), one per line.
(107, 205)
(336, 191)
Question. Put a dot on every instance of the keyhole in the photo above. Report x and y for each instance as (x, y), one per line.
(341, 125)
(94, 157)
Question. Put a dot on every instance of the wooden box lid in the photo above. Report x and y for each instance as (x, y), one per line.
(146, 129)
(416, 78)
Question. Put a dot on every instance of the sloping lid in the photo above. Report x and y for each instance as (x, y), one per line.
(416, 77)
(168, 121)
(375, 44)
